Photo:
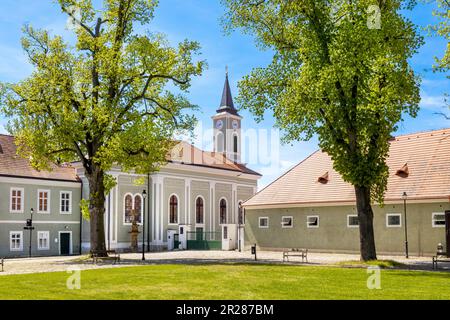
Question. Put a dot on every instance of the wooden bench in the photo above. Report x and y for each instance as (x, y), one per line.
(303, 253)
(112, 255)
(439, 257)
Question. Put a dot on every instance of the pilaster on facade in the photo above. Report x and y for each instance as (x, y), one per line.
(212, 212)
(187, 199)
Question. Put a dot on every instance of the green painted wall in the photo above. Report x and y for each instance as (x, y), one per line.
(333, 235)
(16, 221)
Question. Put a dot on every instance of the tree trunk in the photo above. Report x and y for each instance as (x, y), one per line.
(365, 216)
(97, 211)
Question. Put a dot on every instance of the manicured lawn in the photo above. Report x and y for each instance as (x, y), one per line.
(228, 282)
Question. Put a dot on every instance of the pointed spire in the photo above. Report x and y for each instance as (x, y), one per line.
(226, 103)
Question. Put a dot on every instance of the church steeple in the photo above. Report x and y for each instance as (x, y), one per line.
(227, 126)
(226, 104)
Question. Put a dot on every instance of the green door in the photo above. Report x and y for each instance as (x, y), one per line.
(64, 243)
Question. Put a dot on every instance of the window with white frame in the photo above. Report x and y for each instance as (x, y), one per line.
(16, 200)
(352, 221)
(43, 201)
(263, 222)
(393, 220)
(133, 209)
(312, 221)
(173, 209)
(16, 241)
(66, 202)
(287, 222)
(438, 219)
(43, 240)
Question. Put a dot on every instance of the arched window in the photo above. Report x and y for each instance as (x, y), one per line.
(199, 211)
(223, 211)
(128, 208)
(220, 142)
(132, 206)
(241, 216)
(138, 207)
(173, 210)
(235, 143)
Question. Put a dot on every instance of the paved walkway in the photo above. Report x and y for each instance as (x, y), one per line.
(53, 264)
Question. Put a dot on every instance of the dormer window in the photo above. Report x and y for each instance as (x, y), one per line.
(403, 171)
(324, 178)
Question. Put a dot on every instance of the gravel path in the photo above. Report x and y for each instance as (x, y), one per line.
(54, 264)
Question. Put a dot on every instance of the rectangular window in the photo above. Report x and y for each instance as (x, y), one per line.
(15, 241)
(312, 221)
(352, 221)
(287, 222)
(43, 240)
(16, 200)
(393, 220)
(66, 202)
(263, 222)
(438, 220)
(43, 201)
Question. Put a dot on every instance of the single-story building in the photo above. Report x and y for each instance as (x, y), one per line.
(312, 207)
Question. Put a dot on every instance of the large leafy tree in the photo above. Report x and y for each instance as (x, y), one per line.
(103, 101)
(442, 28)
(338, 73)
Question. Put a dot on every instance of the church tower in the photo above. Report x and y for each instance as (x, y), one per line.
(227, 126)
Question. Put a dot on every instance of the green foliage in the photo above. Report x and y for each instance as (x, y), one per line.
(84, 208)
(105, 101)
(333, 76)
(443, 29)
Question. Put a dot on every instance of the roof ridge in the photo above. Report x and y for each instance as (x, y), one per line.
(422, 132)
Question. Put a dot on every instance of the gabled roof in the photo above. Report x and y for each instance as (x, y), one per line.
(12, 165)
(187, 154)
(226, 104)
(426, 154)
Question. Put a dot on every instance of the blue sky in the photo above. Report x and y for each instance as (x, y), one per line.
(200, 20)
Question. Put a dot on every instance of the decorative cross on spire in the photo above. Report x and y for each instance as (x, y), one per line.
(226, 70)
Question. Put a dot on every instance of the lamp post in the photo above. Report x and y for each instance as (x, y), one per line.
(29, 226)
(404, 197)
(144, 195)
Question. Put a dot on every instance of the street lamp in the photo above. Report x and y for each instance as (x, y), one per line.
(144, 195)
(29, 226)
(404, 197)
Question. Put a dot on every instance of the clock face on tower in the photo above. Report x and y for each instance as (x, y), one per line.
(219, 124)
(235, 124)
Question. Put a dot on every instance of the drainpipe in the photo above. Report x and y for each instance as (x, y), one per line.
(148, 212)
(81, 219)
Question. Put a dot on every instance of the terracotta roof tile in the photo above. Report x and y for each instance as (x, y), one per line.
(13, 165)
(188, 154)
(426, 157)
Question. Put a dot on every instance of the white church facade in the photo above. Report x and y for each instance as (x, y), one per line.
(193, 202)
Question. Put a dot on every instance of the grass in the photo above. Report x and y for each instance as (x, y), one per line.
(231, 281)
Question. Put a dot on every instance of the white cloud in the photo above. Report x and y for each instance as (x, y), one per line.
(3, 129)
(435, 103)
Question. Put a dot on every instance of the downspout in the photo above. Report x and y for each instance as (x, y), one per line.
(148, 212)
(81, 220)
(109, 221)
